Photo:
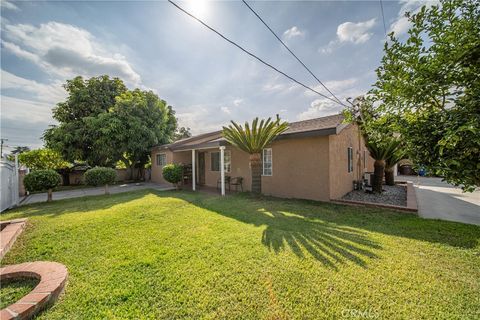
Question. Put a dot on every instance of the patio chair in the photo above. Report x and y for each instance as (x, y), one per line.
(237, 181)
(227, 182)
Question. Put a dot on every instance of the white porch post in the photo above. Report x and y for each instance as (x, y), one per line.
(193, 170)
(222, 168)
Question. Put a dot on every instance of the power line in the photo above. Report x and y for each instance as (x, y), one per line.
(250, 54)
(383, 18)
(286, 47)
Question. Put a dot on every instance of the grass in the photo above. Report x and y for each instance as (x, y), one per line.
(164, 255)
(11, 291)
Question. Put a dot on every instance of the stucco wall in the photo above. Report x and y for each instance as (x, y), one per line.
(300, 169)
(157, 170)
(341, 181)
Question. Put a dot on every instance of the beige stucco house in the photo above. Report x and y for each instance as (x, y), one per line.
(315, 159)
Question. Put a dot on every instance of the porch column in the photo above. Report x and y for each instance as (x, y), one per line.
(222, 168)
(193, 170)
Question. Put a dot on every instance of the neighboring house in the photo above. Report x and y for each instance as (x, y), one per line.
(315, 159)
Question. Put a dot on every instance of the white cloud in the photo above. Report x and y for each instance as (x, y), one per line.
(237, 102)
(320, 108)
(67, 51)
(352, 32)
(8, 5)
(355, 32)
(226, 110)
(293, 32)
(338, 87)
(47, 93)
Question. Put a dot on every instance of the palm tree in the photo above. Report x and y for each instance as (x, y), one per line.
(253, 140)
(390, 162)
(380, 150)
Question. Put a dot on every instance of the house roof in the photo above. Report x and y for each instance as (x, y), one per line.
(323, 126)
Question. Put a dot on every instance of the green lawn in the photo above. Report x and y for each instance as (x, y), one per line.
(151, 255)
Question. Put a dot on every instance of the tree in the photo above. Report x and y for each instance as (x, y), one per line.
(173, 173)
(76, 134)
(431, 83)
(253, 141)
(42, 159)
(42, 180)
(182, 133)
(380, 150)
(100, 176)
(138, 121)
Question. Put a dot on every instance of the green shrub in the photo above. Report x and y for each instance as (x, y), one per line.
(100, 176)
(173, 173)
(41, 180)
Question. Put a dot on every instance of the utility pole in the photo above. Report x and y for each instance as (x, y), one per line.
(1, 146)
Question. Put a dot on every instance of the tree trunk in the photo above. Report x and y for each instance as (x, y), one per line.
(107, 192)
(389, 177)
(256, 167)
(379, 171)
(49, 195)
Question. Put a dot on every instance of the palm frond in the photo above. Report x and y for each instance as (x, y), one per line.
(255, 137)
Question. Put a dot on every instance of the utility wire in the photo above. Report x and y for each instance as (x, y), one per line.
(383, 19)
(286, 47)
(251, 54)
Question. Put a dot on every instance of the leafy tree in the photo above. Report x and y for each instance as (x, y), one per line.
(76, 134)
(138, 121)
(173, 173)
(100, 176)
(42, 159)
(431, 83)
(42, 180)
(253, 141)
(182, 133)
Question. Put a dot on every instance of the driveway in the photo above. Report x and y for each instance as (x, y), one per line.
(440, 200)
(42, 197)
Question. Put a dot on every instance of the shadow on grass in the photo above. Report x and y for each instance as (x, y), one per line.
(332, 234)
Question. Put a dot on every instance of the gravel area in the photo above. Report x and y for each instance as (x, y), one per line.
(396, 195)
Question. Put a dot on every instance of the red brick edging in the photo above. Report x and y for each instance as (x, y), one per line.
(11, 229)
(53, 277)
(411, 202)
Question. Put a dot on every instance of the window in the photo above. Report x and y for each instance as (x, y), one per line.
(350, 159)
(267, 162)
(161, 160)
(215, 161)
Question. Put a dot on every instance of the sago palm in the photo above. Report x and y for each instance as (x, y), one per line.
(390, 162)
(380, 150)
(253, 139)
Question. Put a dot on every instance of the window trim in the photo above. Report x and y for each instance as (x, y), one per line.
(271, 162)
(156, 159)
(349, 159)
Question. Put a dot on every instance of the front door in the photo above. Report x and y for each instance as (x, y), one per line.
(201, 168)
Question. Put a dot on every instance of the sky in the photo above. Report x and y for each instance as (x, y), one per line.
(153, 46)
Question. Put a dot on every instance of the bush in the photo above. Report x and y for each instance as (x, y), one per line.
(100, 176)
(173, 173)
(42, 180)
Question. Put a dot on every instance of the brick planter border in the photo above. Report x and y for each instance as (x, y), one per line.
(52, 276)
(11, 229)
(411, 202)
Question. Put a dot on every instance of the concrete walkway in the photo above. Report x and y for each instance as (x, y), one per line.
(440, 200)
(76, 193)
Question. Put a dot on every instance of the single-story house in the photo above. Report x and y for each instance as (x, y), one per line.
(317, 159)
